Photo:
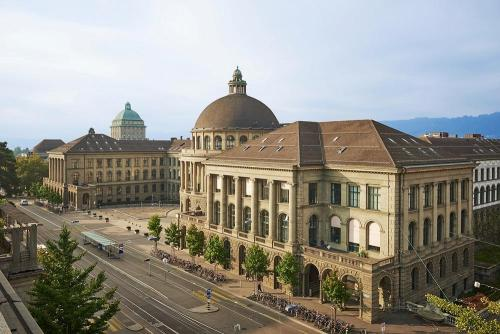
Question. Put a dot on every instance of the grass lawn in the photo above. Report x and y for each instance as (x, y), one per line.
(489, 254)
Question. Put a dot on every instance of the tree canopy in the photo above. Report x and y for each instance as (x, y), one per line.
(288, 271)
(155, 228)
(30, 170)
(257, 262)
(67, 299)
(214, 251)
(172, 235)
(8, 177)
(195, 241)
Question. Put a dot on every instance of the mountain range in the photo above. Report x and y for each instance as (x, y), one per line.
(487, 124)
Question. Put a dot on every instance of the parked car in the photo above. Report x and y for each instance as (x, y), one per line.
(24, 202)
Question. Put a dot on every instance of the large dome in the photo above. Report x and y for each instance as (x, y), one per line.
(127, 114)
(237, 110)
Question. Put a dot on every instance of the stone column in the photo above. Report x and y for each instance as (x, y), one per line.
(64, 171)
(223, 202)
(237, 210)
(459, 208)
(420, 225)
(470, 204)
(182, 176)
(434, 210)
(193, 176)
(50, 169)
(272, 210)
(404, 219)
(255, 214)
(210, 199)
(59, 171)
(447, 211)
(292, 216)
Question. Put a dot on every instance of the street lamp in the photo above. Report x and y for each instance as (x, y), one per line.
(478, 285)
(148, 260)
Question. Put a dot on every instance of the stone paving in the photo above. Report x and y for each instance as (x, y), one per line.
(120, 218)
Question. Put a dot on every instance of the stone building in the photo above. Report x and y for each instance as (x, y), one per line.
(128, 125)
(485, 153)
(46, 145)
(386, 210)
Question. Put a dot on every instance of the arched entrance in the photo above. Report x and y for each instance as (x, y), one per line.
(227, 254)
(85, 201)
(241, 259)
(277, 284)
(352, 286)
(385, 293)
(311, 281)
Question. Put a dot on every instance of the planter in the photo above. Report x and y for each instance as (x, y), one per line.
(136, 231)
(129, 228)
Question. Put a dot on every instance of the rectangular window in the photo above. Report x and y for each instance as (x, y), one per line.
(137, 162)
(127, 162)
(161, 162)
(99, 163)
(482, 174)
(335, 194)
(373, 198)
(440, 199)
(487, 174)
(313, 193)
(248, 187)
(109, 163)
(153, 187)
(74, 163)
(464, 189)
(90, 163)
(146, 188)
(453, 191)
(153, 162)
(137, 189)
(476, 175)
(413, 198)
(231, 189)
(118, 162)
(145, 162)
(283, 192)
(218, 183)
(353, 196)
(427, 196)
(264, 189)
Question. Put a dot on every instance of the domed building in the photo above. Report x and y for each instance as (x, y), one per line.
(227, 122)
(128, 125)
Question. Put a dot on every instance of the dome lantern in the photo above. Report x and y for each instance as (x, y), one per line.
(237, 85)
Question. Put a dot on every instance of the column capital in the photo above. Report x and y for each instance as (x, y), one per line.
(236, 178)
(271, 181)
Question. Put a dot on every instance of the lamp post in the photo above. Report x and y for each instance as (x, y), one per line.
(148, 260)
(478, 285)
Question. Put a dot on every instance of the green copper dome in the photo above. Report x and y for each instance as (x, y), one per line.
(127, 114)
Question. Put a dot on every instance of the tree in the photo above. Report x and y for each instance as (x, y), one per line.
(155, 228)
(467, 320)
(8, 178)
(31, 169)
(257, 263)
(172, 236)
(288, 271)
(335, 292)
(195, 241)
(214, 252)
(65, 299)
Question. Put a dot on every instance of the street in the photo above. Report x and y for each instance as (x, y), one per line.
(162, 302)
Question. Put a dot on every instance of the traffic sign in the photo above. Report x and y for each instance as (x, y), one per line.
(209, 293)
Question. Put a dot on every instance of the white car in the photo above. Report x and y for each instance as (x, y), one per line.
(24, 202)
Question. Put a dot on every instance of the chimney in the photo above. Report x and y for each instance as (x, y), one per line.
(173, 138)
(437, 134)
(473, 135)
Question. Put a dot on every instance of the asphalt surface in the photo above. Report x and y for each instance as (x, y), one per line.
(161, 302)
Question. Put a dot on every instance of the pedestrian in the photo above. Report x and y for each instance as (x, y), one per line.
(259, 288)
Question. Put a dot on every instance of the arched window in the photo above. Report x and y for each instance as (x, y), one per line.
(463, 221)
(414, 279)
(440, 226)
(264, 223)
(476, 196)
(354, 226)
(488, 193)
(427, 231)
(206, 143)
(230, 216)
(229, 142)
(374, 237)
(411, 235)
(255, 136)
(481, 196)
(283, 227)
(216, 212)
(454, 262)
(247, 219)
(313, 230)
(335, 229)
(218, 143)
(243, 139)
(453, 224)
(442, 267)
(466, 257)
(428, 275)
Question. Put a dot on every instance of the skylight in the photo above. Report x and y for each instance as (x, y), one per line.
(262, 148)
(279, 148)
(281, 139)
(335, 139)
(341, 150)
(391, 140)
(263, 140)
(246, 147)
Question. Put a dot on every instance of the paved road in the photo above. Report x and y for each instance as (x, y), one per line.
(161, 302)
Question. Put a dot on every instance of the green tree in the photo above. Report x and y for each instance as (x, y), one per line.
(66, 299)
(172, 236)
(256, 263)
(155, 228)
(335, 292)
(467, 320)
(31, 169)
(8, 178)
(195, 241)
(288, 271)
(53, 197)
(215, 252)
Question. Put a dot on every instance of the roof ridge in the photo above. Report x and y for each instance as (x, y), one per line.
(381, 141)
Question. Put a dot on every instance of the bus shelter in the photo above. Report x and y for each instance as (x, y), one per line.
(111, 247)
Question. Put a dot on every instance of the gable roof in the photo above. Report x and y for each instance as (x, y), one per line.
(101, 143)
(357, 142)
(47, 145)
(470, 148)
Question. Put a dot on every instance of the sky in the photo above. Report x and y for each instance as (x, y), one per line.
(66, 66)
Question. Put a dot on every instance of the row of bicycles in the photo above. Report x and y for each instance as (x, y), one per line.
(207, 274)
(322, 321)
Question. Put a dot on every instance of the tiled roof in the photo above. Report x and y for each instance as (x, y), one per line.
(358, 142)
(471, 148)
(101, 143)
(47, 145)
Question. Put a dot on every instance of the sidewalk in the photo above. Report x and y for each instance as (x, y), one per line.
(396, 322)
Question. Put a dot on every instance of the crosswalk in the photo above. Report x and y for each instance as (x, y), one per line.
(216, 295)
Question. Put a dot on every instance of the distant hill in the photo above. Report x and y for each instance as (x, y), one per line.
(488, 125)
